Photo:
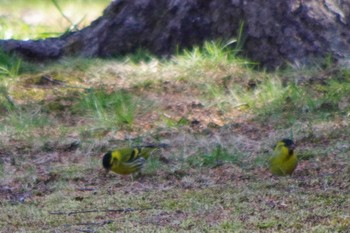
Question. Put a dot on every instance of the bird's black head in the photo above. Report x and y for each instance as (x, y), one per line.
(289, 143)
(106, 160)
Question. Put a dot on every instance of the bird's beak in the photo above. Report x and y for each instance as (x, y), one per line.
(106, 172)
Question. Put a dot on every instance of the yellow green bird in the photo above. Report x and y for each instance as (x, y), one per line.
(283, 161)
(126, 161)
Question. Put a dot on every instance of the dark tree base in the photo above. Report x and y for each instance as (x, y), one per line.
(275, 32)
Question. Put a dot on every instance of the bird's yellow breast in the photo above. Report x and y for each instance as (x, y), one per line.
(283, 162)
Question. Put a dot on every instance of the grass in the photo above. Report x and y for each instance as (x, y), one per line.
(216, 157)
(41, 19)
(220, 114)
(9, 65)
(114, 109)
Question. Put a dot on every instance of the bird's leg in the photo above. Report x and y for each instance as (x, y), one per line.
(105, 173)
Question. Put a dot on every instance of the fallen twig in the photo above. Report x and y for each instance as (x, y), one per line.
(86, 231)
(86, 189)
(89, 225)
(94, 223)
(125, 210)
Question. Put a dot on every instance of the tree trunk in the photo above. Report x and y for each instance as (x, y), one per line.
(274, 32)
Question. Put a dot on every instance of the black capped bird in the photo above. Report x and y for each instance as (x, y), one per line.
(283, 160)
(129, 160)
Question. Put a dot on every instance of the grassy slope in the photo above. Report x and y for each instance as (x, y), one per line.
(221, 118)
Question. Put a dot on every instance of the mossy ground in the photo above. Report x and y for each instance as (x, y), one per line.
(221, 116)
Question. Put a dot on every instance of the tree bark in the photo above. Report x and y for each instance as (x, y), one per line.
(275, 32)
